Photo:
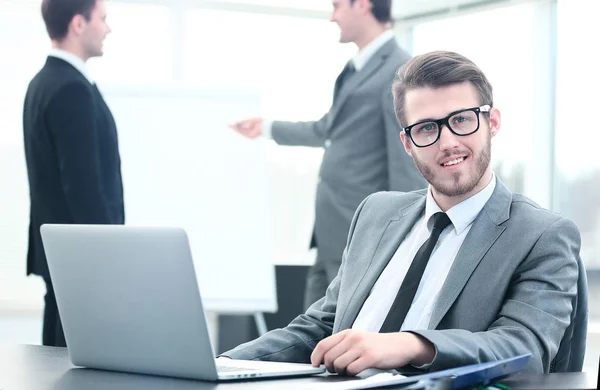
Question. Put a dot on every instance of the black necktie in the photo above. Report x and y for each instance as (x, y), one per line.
(408, 289)
(348, 71)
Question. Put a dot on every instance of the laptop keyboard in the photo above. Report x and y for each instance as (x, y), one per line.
(232, 369)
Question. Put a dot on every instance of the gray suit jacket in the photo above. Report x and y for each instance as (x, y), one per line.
(510, 290)
(363, 150)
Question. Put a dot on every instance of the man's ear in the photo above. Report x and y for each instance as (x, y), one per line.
(77, 24)
(364, 5)
(406, 142)
(495, 121)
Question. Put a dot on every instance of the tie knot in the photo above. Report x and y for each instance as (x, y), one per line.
(440, 221)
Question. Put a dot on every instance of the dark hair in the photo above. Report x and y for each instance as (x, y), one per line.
(57, 15)
(434, 70)
(381, 9)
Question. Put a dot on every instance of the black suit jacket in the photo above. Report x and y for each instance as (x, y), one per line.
(72, 155)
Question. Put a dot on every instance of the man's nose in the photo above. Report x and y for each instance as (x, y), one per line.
(448, 140)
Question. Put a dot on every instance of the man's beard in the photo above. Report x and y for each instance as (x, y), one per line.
(482, 161)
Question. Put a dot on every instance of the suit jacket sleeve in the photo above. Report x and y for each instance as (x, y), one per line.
(403, 174)
(311, 133)
(71, 118)
(535, 313)
(295, 342)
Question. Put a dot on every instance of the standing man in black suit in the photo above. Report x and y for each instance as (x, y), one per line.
(70, 139)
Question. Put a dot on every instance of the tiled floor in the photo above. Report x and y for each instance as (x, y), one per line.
(19, 329)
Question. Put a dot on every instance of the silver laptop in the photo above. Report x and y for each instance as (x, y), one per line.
(129, 301)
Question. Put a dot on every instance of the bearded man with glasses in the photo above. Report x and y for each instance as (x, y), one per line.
(460, 273)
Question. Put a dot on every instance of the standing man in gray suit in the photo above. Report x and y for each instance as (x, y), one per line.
(363, 153)
(463, 272)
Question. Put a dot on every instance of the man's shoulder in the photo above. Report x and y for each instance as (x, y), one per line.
(398, 196)
(384, 201)
(397, 55)
(52, 77)
(522, 205)
(56, 86)
(527, 214)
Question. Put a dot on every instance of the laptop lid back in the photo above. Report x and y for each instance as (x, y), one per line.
(129, 299)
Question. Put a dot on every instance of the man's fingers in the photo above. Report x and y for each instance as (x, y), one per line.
(357, 366)
(332, 356)
(341, 363)
(324, 346)
(244, 124)
(254, 132)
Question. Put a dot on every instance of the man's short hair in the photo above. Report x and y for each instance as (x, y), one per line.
(381, 9)
(434, 70)
(57, 15)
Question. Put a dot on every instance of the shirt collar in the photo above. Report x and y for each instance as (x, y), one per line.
(464, 213)
(362, 57)
(73, 60)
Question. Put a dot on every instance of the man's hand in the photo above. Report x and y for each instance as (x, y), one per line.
(350, 352)
(250, 128)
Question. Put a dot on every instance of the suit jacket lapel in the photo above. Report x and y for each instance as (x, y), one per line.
(484, 232)
(360, 77)
(394, 234)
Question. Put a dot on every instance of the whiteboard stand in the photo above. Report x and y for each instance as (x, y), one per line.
(261, 324)
(253, 307)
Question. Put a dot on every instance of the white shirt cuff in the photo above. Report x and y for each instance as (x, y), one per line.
(267, 127)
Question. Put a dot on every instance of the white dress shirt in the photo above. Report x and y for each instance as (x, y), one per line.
(359, 61)
(380, 300)
(72, 59)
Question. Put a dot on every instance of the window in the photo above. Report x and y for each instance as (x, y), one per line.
(577, 170)
(140, 49)
(577, 165)
(292, 62)
(24, 47)
(319, 5)
(21, 58)
(511, 59)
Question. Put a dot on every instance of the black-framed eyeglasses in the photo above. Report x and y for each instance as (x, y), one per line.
(462, 122)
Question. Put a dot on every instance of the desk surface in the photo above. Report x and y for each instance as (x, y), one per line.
(26, 367)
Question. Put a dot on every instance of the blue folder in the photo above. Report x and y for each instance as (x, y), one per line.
(484, 373)
(459, 377)
(475, 374)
